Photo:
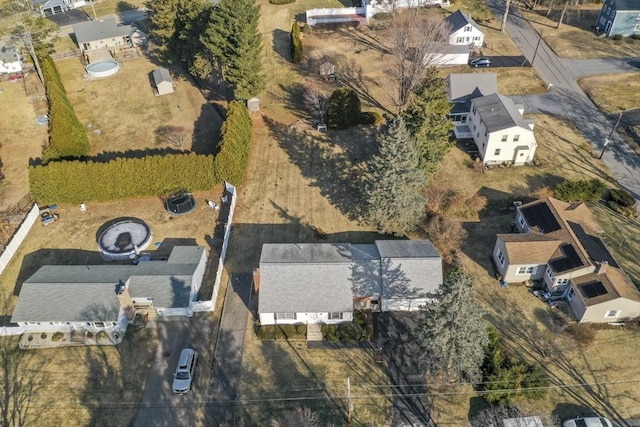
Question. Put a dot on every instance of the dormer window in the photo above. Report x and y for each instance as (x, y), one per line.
(467, 28)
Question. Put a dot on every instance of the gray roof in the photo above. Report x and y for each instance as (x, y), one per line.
(499, 112)
(324, 277)
(9, 54)
(465, 86)
(628, 5)
(161, 75)
(97, 30)
(458, 20)
(80, 288)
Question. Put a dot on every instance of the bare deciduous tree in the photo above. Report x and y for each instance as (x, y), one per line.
(416, 39)
(174, 135)
(317, 103)
(301, 416)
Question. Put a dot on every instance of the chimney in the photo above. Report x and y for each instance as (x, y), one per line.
(601, 267)
(256, 279)
(124, 297)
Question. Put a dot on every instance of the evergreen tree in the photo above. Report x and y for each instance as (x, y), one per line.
(233, 38)
(451, 332)
(426, 118)
(344, 110)
(191, 21)
(394, 189)
(163, 15)
(296, 44)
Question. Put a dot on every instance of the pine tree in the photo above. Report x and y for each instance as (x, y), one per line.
(394, 189)
(451, 332)
(296, 43)
(233, 37)
(191, 21)
(163, 18)
(426, 119)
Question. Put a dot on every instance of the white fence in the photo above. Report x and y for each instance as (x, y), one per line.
(209, 305)
(18, 237)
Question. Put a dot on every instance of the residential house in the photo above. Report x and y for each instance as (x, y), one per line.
(105, 33)
(557, 245)
(464, 30)
(462, 88)
(10, 61)
(501, 133)
(619, 17)
(318, 282)
(162, 81)
(387, 6)
(447, 55)
(52, 7)
(105, 297)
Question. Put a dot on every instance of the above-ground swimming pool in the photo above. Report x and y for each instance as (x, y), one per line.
(123, 238)
(103, 68)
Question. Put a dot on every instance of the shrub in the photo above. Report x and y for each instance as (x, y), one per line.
(282, 1)
(296, 44)
(617, 37)
(235, 141)
(330, 332)
(579, 190)
(102, 335)
(79, 181)
(301, 329)
(583, 333)
(57, 336)
(287, 331)
(622, 197)
(344, 109)
(348, 333)
(624, 211)
(265, 332)
(371, 118)
(43, 335)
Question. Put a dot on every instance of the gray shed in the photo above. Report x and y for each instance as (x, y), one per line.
(162, 81)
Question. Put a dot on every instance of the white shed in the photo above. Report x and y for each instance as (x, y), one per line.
(162, 81)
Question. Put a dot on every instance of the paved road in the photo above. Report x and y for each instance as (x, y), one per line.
(394, 333)
(566, 98)
(589, 67)
(221, 409)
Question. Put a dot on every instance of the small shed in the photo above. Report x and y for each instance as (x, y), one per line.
(162, 81)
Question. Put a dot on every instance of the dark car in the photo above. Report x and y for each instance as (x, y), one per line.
(480, 62)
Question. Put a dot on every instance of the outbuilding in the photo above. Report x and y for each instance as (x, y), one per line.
(162, 81)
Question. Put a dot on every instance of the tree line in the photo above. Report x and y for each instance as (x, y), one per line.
(212, 39)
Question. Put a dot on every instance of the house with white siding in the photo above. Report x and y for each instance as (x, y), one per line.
(103, 33)
(318, 282)
(464, 30)
(461, 89)
(558, 246)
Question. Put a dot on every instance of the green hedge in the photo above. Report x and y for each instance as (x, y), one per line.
(67, 136)
(78, 181)
(282, 1)
(344, 109)
(296, 44)
(622, 198)
(579, 190)
(235, 142)
(281, 332)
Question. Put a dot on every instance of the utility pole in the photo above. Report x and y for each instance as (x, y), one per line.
(607, 140)
(95, 17)
(349, 403)
(535, 52)
(506, 15)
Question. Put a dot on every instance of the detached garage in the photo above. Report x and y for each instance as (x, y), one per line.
(162, 81)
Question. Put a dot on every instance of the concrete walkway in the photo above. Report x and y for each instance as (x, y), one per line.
(566, 98)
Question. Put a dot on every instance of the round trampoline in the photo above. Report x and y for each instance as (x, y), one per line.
(180, 204)
(103, 68)
(124, 238)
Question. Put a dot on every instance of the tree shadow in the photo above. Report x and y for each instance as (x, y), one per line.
(282, 43)
(122, 6)
(206, 130)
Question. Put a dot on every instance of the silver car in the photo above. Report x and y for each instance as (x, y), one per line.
(480, 62)
(588, 422)
(186, 369)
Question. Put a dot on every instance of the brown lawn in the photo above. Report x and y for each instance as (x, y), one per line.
(623, 95)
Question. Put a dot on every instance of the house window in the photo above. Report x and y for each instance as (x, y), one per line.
(460, 40)
(636, 28)
(570, 294)
(463, 119)
(477, 134)
(486, 133)
(467, 29)
(550, 273)
(285, 316)
(612, 313)
(561, 282)
(521, 220)
(474, 110)
(497, 152)
(504, 138)
(335, 316)
(516, 138)
(476, 39)
(500, 257)
(526, 270)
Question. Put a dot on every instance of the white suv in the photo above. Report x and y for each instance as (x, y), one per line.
(185, 371)
(588, 422)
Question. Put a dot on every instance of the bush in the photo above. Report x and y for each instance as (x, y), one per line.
(628, 212)
(583, 333)
(296, 44)
(622, 197)
(580, 190)
(102, 335)
(617, 37)
(78, 181)
(330, 333)
(43, 336)
(371, 118)
(344, 109)
(57, 336)
(282, 1)
(235, 141)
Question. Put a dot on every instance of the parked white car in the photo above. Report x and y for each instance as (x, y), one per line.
(588, 422)
(186, 369)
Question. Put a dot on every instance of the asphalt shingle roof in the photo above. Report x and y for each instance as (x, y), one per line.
(97, 30)
(499, 112)
(459, 20)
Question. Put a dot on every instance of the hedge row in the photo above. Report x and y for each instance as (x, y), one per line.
(235, 141)
(67, 136)
(78, 181)
(296, 44)
(282, 1)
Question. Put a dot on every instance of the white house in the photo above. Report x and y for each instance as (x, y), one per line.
(461, 89)
(556, 246)
(10, 61)
(317, 282)
(104, 33)
(501, 133)
(52, 7)
(102, 297)
(464, 30)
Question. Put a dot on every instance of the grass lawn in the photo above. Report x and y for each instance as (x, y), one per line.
(576, 39)
(126, 111)
(624, 94)
(109, 7)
